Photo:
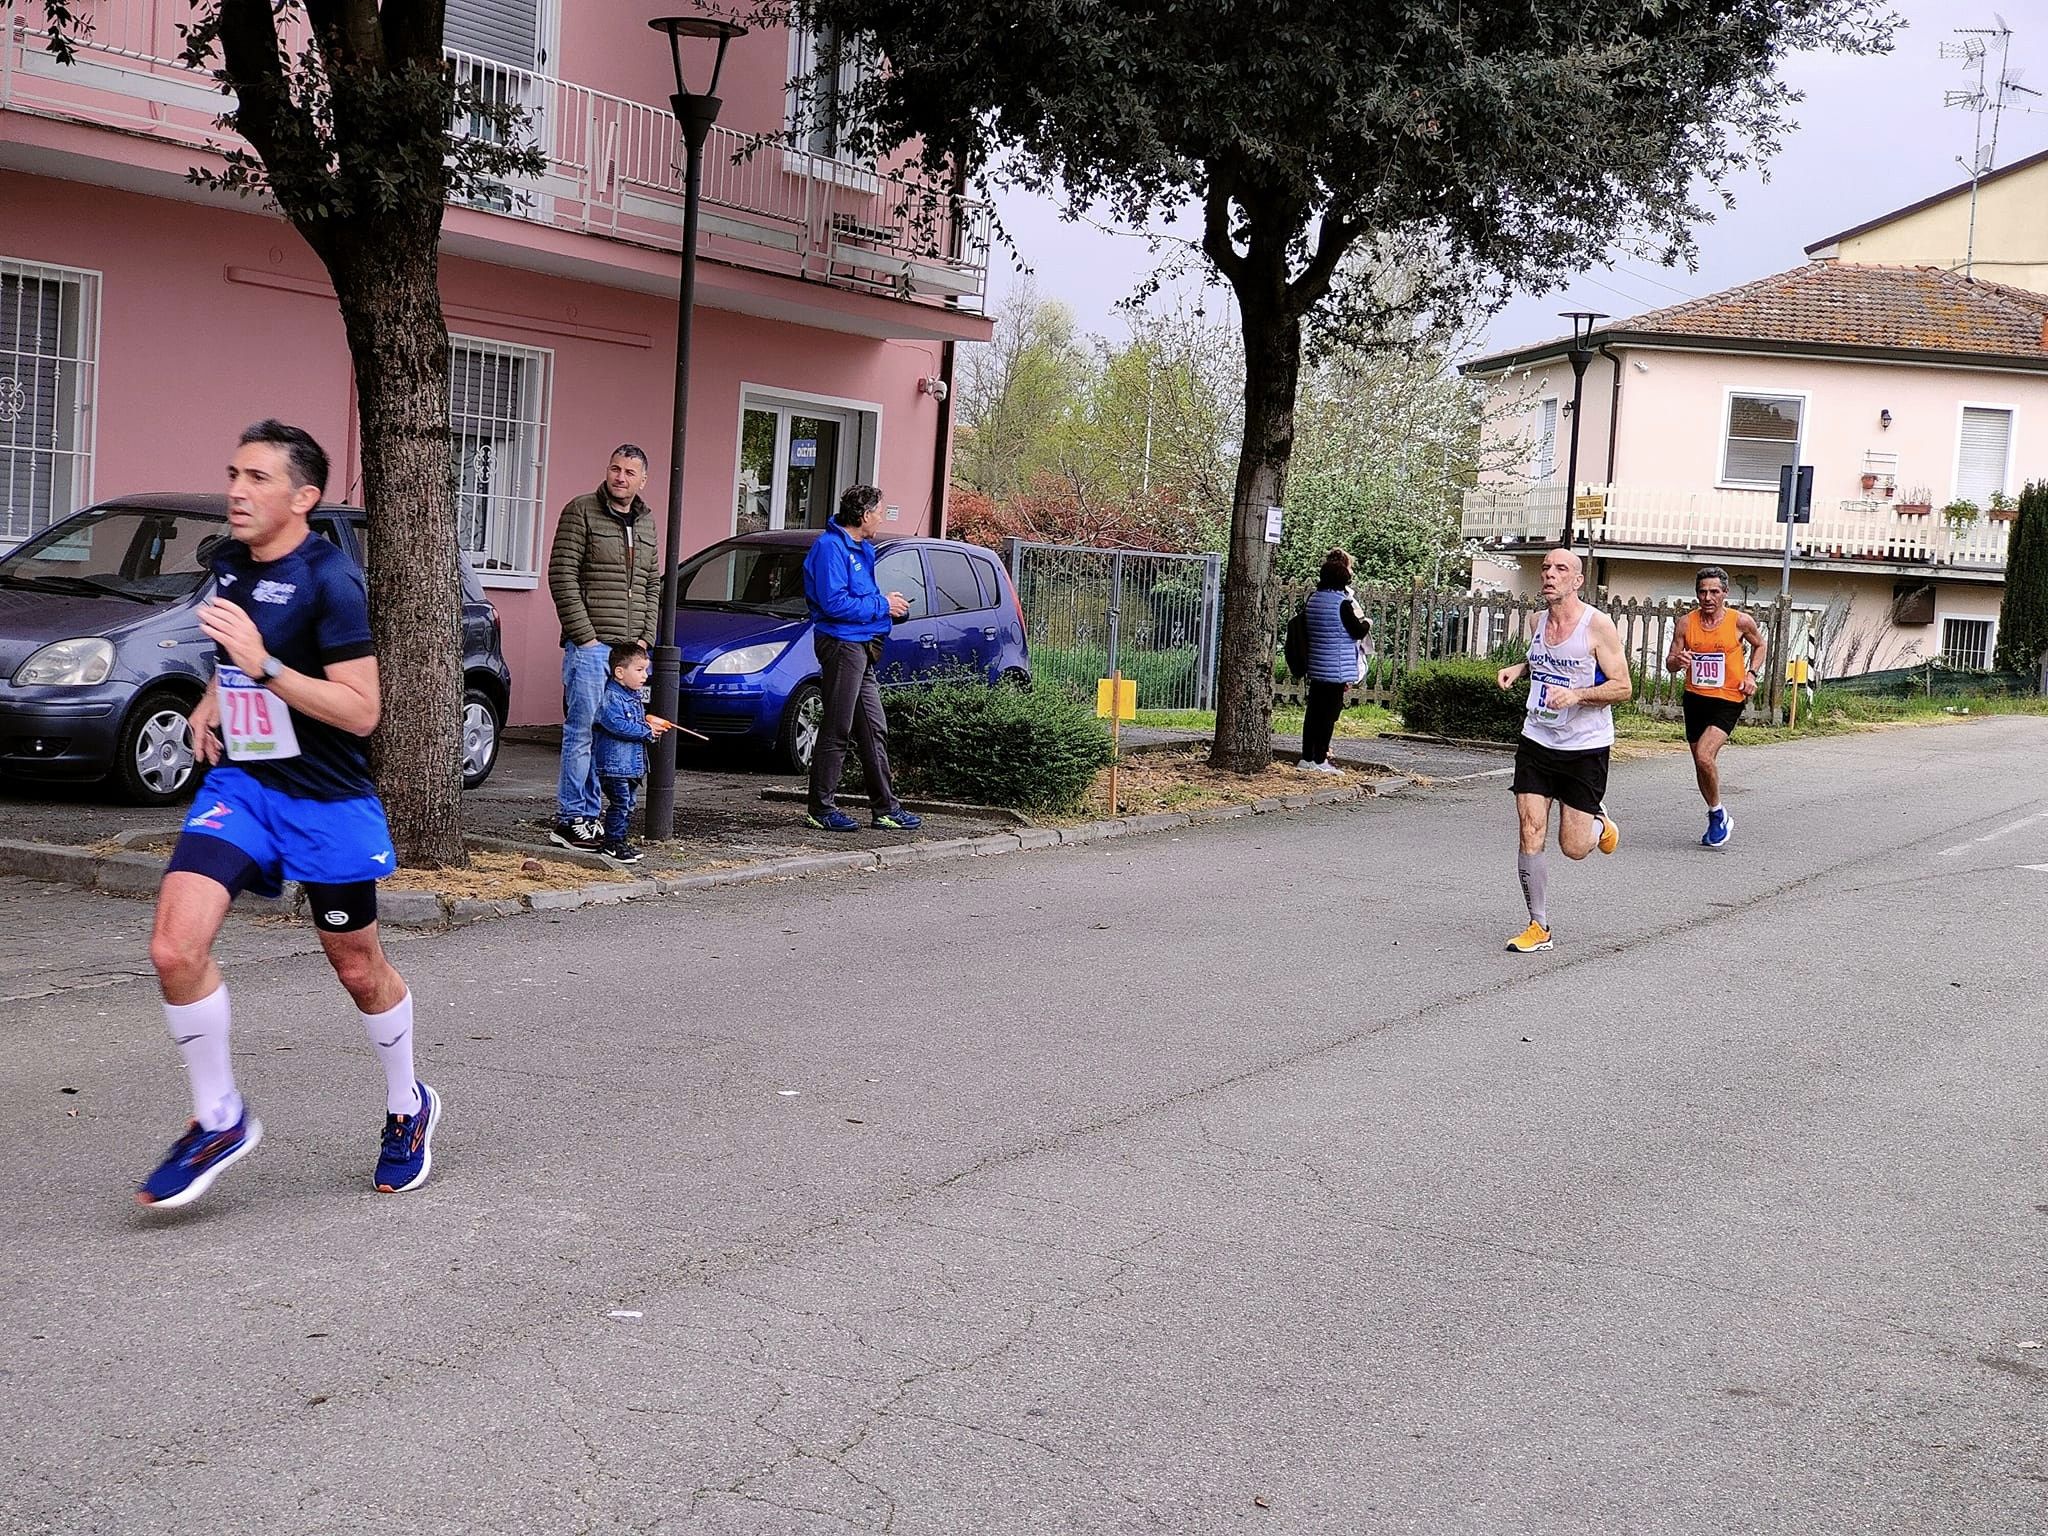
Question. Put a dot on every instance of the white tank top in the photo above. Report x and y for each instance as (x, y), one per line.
(1568, 664)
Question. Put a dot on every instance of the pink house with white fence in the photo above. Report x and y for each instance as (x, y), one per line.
(144, 321)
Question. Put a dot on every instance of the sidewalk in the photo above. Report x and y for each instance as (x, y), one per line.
(727, 833)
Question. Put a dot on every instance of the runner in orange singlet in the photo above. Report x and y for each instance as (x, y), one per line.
(1718, 682)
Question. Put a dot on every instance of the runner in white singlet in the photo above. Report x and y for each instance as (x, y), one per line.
(1577, 674)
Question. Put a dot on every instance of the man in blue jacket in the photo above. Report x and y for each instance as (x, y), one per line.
(850, 616)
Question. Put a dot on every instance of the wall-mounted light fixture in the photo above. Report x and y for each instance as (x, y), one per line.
(1884, 419)
(933, 386)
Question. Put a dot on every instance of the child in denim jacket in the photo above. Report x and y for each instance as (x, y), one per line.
(620, 736)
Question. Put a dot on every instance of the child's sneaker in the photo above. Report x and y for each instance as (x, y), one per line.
(407, 1155)
(831, 821)
(621, 852)
(899, 820)
(196, 1159)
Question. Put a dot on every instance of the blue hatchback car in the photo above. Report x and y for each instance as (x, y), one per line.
(102, 658)
(750, 671)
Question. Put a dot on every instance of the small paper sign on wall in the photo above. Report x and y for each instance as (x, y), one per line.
(1272, 525)
(1126, 699)
(803, 453)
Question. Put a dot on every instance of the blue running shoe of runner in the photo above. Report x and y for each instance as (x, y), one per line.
(1719, 825)
(408, 1153)
(196, 1159)
(899, 820)
(831, 821)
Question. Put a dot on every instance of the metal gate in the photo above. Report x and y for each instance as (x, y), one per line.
(1155, 617)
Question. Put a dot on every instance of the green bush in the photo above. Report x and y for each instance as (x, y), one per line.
(1035, 748)
(1461, 698)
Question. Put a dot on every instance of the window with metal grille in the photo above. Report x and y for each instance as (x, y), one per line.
(1966, 643)
(1543, 462)
(498, 423)
(1762, 437)
(49, 355)
(1983, 448)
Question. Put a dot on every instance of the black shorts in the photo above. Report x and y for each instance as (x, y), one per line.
(1703, 710)
(340, 908)
(1576, 779)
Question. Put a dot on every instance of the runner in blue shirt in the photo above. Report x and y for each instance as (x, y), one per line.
(288, 797)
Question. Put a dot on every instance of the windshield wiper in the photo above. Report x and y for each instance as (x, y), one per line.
(733, 605)
(97, 586)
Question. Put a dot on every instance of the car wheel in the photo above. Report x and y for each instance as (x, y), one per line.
(802, 719)
(480, 730)
(153, 760)
(1016, 677)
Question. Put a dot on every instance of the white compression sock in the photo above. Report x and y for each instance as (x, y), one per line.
(391, 1034)
(201, 1030)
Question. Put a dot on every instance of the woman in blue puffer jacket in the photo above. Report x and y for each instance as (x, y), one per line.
(1337, 649)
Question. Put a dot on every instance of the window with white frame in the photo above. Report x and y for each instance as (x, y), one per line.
(825, 70)
(1543, 460)
(1966, 643)
(1760, 437)
(498, 424)
(49, 357)
(1983, 451)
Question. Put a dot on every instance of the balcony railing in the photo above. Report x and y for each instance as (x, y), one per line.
(613, 165)
(1690, 522)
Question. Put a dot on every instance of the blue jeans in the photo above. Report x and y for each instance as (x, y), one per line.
(618, 807)
(579, 797)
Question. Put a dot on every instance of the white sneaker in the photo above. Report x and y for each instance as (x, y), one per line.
(1306, 766)
(1330, 768)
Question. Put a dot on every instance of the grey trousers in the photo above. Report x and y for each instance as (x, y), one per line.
(853, 709)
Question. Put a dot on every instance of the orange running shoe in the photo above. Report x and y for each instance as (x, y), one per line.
(1530, 939)
(1610, 832)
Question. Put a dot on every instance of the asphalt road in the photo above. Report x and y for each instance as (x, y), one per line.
(1229, 1181)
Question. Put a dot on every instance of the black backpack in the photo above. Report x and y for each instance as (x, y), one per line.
(1294, 644)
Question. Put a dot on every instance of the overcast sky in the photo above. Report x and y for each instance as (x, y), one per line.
(1873, 135)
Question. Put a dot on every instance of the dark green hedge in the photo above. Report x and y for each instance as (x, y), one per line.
(1036, 749)
(1461, 698)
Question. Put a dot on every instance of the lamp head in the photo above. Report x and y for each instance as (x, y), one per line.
(679, 27)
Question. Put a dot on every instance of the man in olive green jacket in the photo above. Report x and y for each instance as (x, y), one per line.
(604, 572)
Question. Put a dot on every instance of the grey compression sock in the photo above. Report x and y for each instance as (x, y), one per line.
(1534, 868)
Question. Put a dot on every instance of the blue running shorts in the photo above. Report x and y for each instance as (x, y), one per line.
(315, 842)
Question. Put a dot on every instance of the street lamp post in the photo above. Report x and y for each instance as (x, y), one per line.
(1579, 356)
(695, 113)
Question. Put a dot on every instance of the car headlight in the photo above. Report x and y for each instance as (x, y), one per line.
(68, 664)
(748, 658)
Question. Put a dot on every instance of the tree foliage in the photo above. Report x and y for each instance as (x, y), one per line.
(345, 110)
(1497, 143)
(2023, 610)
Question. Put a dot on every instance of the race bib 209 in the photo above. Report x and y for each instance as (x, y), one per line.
(1710, 670)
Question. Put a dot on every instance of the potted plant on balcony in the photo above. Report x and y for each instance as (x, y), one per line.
(1918, 502)
(1959, 514)
(1869, 481)
(2001, 508)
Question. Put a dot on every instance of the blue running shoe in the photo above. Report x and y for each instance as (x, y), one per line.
(899, 820)
(408, 1153)
(1719, 825)
(831, 821)
(196, 1159)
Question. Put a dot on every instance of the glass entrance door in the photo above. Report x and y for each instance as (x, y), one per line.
(794, 462)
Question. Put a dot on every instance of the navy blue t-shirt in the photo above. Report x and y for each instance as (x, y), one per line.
(312, 609)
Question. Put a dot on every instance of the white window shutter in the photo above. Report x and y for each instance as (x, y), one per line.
(504, 31)
(1981, 456)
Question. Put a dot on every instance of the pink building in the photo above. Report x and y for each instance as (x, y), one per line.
(144, 321)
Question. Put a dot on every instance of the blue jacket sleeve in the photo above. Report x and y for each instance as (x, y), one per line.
(619, 716)
(832, 590)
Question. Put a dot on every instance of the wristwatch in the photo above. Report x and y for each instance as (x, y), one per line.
(271, 668)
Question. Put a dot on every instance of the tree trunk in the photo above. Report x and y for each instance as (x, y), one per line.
(387, 280)
(1244, 681)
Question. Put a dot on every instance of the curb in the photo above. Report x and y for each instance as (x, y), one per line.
(136, 874)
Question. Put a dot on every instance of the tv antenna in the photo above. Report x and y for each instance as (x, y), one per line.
(1973, 48)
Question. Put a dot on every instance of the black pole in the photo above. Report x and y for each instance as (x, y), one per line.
(695, 114)
(1579, 358)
